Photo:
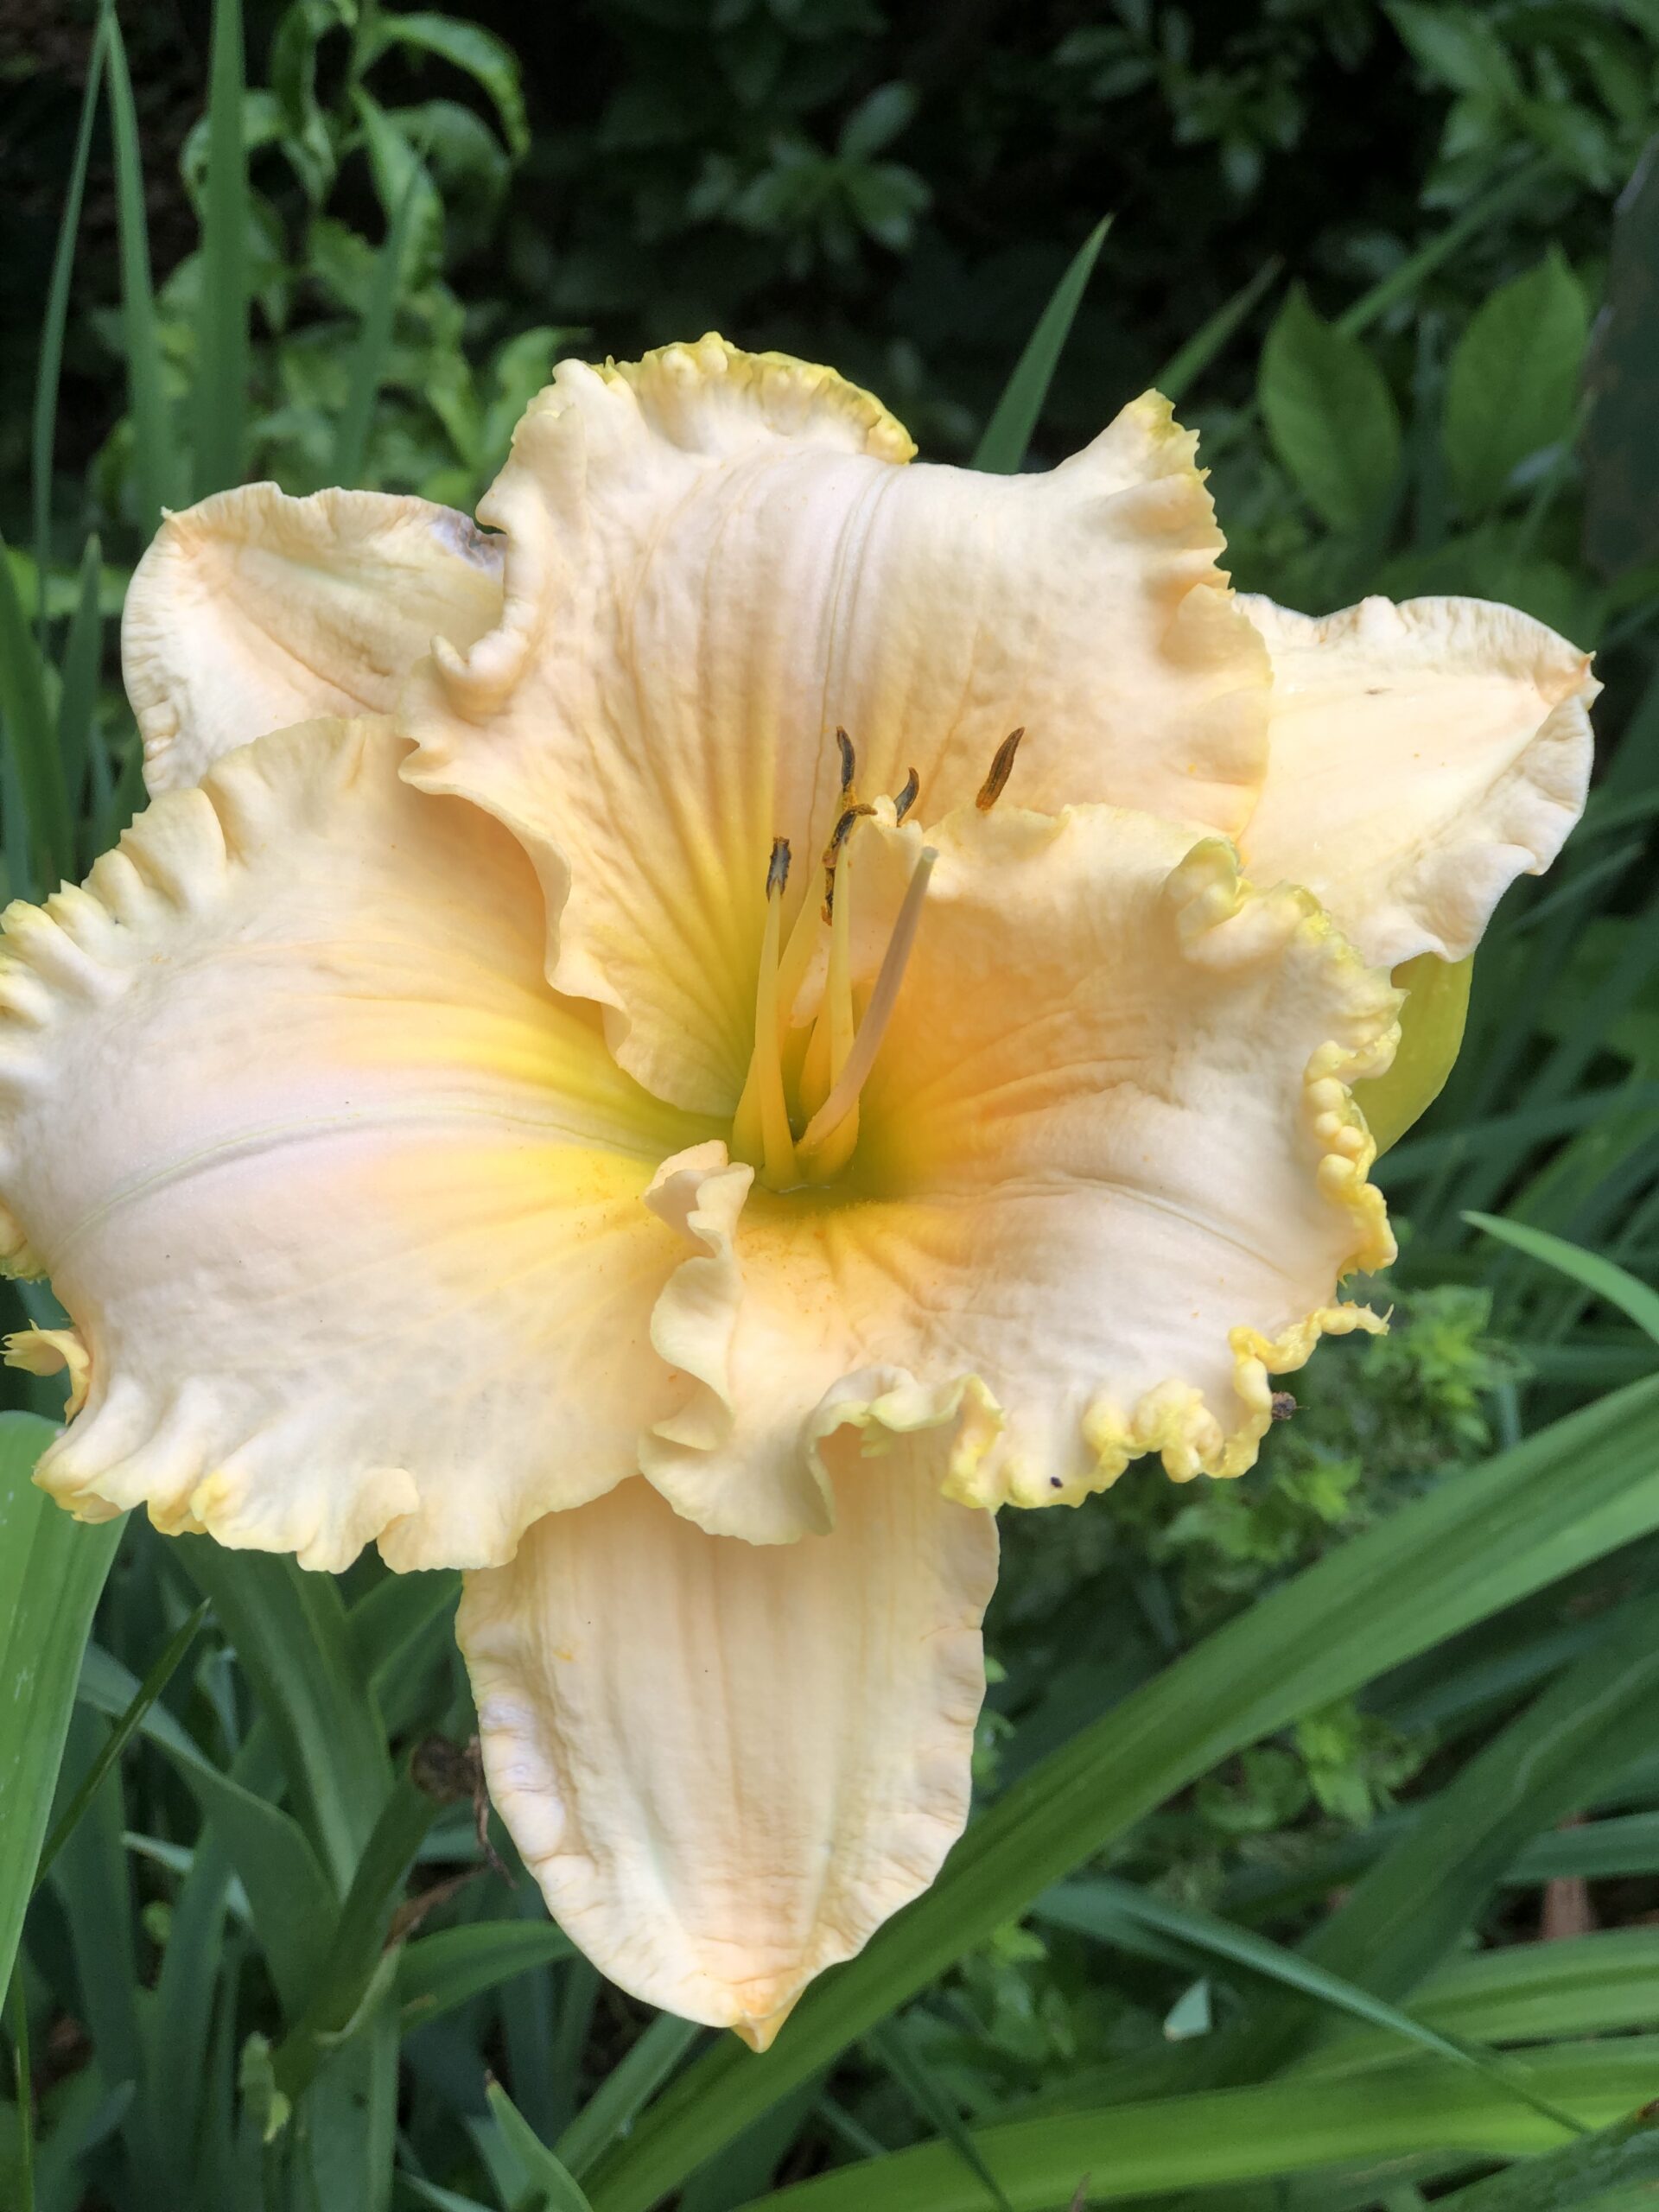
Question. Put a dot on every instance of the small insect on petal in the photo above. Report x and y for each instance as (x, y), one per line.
(1002, 768)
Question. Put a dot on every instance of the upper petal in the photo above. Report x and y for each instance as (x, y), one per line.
(1108, 1175)
(1421, 757)
(715, 559)
(253, 610)
(728, 1764)
(345, 1207)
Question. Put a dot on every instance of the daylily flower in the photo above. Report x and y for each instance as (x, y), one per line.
(677, 1055)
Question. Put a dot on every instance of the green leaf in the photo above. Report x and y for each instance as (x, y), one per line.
(379, 311)
(30, 737)
(222, 349)
(559, 2191)
(52, 1570)
(121, 1735)
(1212, 338)
(155, 468)
(887, 2045)
(82, 652)
(1613, 1284)
(1099, 1907)
(290, 1634)
(1621, 2165)
(1513, 380)
(490, 62)
(436, 1972)
(1217, 2136)
(1002, 450)
(49, 373)
(1570, 1494)
(626, 2090)
(1330, 414)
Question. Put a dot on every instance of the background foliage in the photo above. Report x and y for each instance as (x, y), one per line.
(1318, 1844)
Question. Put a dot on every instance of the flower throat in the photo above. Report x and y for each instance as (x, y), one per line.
(798, 1119)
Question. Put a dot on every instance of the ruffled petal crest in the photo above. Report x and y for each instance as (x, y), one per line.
(345, 1207)
(1109, 1176)
(1421, 757)
(727, 1764)
(713, 560)
(253, 610)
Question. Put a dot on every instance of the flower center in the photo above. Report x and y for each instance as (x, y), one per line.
(796, 1122)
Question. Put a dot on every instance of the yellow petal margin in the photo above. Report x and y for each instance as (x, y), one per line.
(727, 1764)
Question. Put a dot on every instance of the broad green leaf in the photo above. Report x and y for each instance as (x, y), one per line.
(219, 415)
(1568, 1495)
(1431, 1034)
(52, 1570)
(1217, 2136)
(435, 1973)
(560, 2191)
(1618, 2167)
(1458, 49)
(1614, 1285)
(1002, 448)
(1330, 414)
(1514, 379)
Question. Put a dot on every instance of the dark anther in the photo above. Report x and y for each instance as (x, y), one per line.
(1283, 1405)
(907, 797)
(777, 868)
(1002, 768)
(832, 854)
(848, 759)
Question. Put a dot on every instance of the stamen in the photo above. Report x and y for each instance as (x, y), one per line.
(844, 1093)
(849, 761)
(909, 791)
(1002, 768)
(760, 1131)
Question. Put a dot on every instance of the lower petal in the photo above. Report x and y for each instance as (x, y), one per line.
(728, 1763)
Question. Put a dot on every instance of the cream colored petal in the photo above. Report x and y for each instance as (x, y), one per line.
(1422, 757)
(345, 1207)
(254, 611)
(713, 559)
(1108, 1177)
(727, 1764)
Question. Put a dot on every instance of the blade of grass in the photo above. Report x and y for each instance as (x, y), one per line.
(1002, 450)
(626, 2090)
(887, 2045)
(1098, 1906)
(1568, 1495)
(1403, 282)
(1212, 339)
(559, 2189)
(155, 470)
(83, 649)
(1610, 1283)
(30, 733)
(49, 372)
(222, 350)
(121, 1735)
(1618, 2158)
(436, 1972)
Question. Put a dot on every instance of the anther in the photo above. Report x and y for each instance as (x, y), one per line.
(832, 854)
(778, 868)
(909, 793)
(849, 761)
(1002, 768)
